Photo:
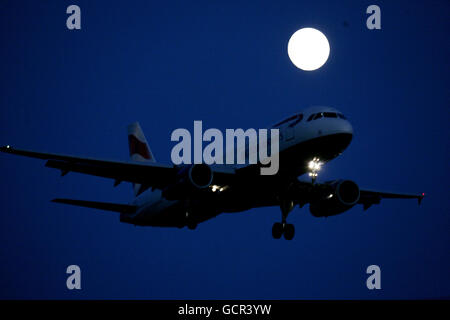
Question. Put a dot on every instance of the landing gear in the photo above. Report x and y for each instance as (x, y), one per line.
(190, 222)
(277, 230)
(289, 231)
(284, 228)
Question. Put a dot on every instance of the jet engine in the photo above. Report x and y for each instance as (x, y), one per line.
(341, 196)
(190, 178)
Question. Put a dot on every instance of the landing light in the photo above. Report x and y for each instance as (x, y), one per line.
(314, 164)
(215, 188)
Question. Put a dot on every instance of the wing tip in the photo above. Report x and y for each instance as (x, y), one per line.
(6, 148)
(420, 198)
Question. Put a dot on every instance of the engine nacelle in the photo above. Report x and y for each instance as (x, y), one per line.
(190, 178)
(343, 196)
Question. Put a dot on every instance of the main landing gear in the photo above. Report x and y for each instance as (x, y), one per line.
(286, 229)
(190, 221)
(283, 228)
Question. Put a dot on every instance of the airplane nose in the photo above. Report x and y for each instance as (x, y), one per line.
(347, 127)
(343, 126)
(345, 134)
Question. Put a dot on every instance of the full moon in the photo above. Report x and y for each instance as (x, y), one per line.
(308, 49)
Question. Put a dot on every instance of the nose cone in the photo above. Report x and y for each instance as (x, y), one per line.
(337, 126)
(346, 131)
(340, 140)
(346, 127)
(342, 135)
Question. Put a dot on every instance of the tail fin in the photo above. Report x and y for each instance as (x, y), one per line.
(139, 150)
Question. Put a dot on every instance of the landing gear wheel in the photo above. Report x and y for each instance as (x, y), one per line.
(277, 230)
(289, 231)
(283, 228)
(190, 222)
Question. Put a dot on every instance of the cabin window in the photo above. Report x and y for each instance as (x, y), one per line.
(318, 116)
(299, 118)
(285, 120)
(330, 115)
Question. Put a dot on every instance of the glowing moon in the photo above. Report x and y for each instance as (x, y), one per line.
(308, 49)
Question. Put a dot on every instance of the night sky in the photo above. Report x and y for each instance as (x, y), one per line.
(168, 63)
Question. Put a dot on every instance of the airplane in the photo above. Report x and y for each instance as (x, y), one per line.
(186, 195)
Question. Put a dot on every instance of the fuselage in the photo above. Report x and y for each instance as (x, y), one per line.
(320, 133)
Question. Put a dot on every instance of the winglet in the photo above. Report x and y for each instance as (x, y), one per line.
(419, 200)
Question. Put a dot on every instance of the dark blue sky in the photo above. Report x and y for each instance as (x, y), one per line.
(167, 64)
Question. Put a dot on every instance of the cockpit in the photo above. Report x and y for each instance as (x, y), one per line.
(319, 115)
(293, 120)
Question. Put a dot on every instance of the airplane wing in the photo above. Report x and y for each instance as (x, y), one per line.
(150, 174)
(368, 198)
(158, 175)
(305, 192)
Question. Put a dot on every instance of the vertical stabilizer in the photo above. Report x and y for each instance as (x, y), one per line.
(139, 150)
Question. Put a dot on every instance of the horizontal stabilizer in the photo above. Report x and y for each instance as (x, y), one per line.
(123, 208)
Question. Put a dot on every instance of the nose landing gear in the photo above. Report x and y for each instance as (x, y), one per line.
(283, 228)
(313, 167)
